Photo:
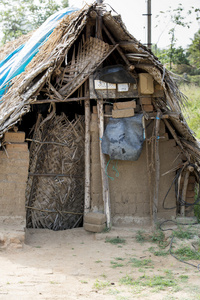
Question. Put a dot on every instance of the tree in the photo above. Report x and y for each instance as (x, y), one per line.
(177, 17)
(19, 17)
(194, 51)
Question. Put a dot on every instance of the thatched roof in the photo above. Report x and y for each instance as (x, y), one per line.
(27, 86)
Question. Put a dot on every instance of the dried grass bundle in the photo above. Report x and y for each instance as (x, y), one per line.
(56, 202)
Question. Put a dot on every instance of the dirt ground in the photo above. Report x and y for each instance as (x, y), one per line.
(75, 264)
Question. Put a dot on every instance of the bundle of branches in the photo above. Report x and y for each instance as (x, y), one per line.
(55, 190)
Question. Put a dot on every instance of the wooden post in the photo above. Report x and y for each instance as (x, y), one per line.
(87, 157)
(105, 185)
(184, 191)
(157, 167)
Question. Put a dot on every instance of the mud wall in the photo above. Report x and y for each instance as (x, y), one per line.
(13, 176)
(129, 183)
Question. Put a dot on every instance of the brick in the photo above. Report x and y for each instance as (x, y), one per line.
(158, 87)
(146, 85)
(123, 113)
(108, 109)
(190, 187)
(14, 137)
(93, 227)
(13, 154)
(190, 200)
(146, 100)
(95, 218)
(94, 109)
(192, 179)
(24, 156)
(147, 107)
(124, 105)
(17, 147)
(190, 194)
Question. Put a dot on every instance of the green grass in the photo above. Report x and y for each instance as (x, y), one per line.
(138, 263)
(161, 282)
(158, 252)
(99, 285)
(157, 237)
(115, 241)
(186, 253)
(140, 236)
(115, 264)
(184, 232)
(192, 114)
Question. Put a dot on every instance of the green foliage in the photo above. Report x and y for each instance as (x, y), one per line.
(115, 241)
(19, 17)
(194, 50)
(186, 253)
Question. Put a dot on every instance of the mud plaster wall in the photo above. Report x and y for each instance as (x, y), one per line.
(129, 192)
(13, 177)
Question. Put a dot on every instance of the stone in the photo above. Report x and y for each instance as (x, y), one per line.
(94, 227)
(95, 218)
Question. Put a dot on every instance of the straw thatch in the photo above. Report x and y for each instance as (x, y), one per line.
(13, 45)
(56, 201)
(52, 77)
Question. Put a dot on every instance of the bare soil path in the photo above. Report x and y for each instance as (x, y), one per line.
(75, 264)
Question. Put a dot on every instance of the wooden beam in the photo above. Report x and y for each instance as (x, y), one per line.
(105, 184)
(157, 167)
(114, 43)
(87, 158)
(59, 101)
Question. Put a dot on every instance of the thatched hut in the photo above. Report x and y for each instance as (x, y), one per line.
(103, 128)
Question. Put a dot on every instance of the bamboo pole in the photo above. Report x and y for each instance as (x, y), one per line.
(87, 157)
(157, 168)
(105, 185)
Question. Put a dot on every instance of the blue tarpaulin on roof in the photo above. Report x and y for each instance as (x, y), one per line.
(16, 62)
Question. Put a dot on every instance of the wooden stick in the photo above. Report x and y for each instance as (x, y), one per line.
(185, 184)
(53, 175)
(53, 211)
(176, 138)
(105, 185)
(59, 101)
(87, 157)
(157, 168)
